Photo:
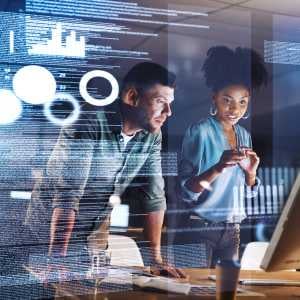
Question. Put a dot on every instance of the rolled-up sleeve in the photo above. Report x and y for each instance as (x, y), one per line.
(252, 191)
(69, 164)
(190, 162)
(152, 193)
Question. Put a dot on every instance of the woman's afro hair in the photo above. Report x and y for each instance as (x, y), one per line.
(242, 66)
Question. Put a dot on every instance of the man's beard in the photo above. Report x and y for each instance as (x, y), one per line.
(137, 116)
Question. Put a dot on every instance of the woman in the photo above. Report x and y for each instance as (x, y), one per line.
(217, 157)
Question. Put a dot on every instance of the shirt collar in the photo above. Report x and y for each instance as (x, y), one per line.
(215, 120)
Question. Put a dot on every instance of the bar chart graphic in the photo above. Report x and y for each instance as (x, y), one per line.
(11, 42)
(56, 47)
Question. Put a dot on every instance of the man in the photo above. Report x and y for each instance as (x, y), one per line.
(96, 159)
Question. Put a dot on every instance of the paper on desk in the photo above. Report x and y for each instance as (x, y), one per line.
(162, 283)
(118, 276)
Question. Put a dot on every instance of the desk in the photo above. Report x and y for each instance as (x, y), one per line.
(197, 276)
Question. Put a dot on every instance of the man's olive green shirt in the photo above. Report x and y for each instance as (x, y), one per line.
(88, 164)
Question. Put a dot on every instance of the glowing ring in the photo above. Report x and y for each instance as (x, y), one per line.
(70, 119)
(99, 102)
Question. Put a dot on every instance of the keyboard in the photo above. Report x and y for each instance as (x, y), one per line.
(172, 286)
(274, 282)
(208, 290)
(264, 281)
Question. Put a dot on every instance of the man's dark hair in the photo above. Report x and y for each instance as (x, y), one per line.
(242, 66)
(144, 75)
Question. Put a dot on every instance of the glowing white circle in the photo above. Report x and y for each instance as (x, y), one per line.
(99, 102)
(34, 84)
(10, 107)
(70, 119)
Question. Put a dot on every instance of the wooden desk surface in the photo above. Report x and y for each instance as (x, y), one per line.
(197, 276)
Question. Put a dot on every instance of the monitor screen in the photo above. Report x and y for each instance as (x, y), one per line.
(283, 252)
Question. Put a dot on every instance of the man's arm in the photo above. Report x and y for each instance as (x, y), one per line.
(61, 227)
(152, 195)
(152, 231)
(68, 171)
(62, 223)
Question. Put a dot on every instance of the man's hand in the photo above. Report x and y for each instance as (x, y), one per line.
(164, 269)
(55, 272)
(153, 225)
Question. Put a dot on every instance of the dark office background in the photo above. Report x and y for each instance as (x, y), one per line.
(275, 109)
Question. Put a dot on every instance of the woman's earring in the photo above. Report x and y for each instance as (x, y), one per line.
(246, 115)
(213, 110)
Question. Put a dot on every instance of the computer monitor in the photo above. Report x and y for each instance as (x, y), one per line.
(283, 252)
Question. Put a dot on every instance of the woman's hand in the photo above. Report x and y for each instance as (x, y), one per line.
(250, 164)
(229, 158)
